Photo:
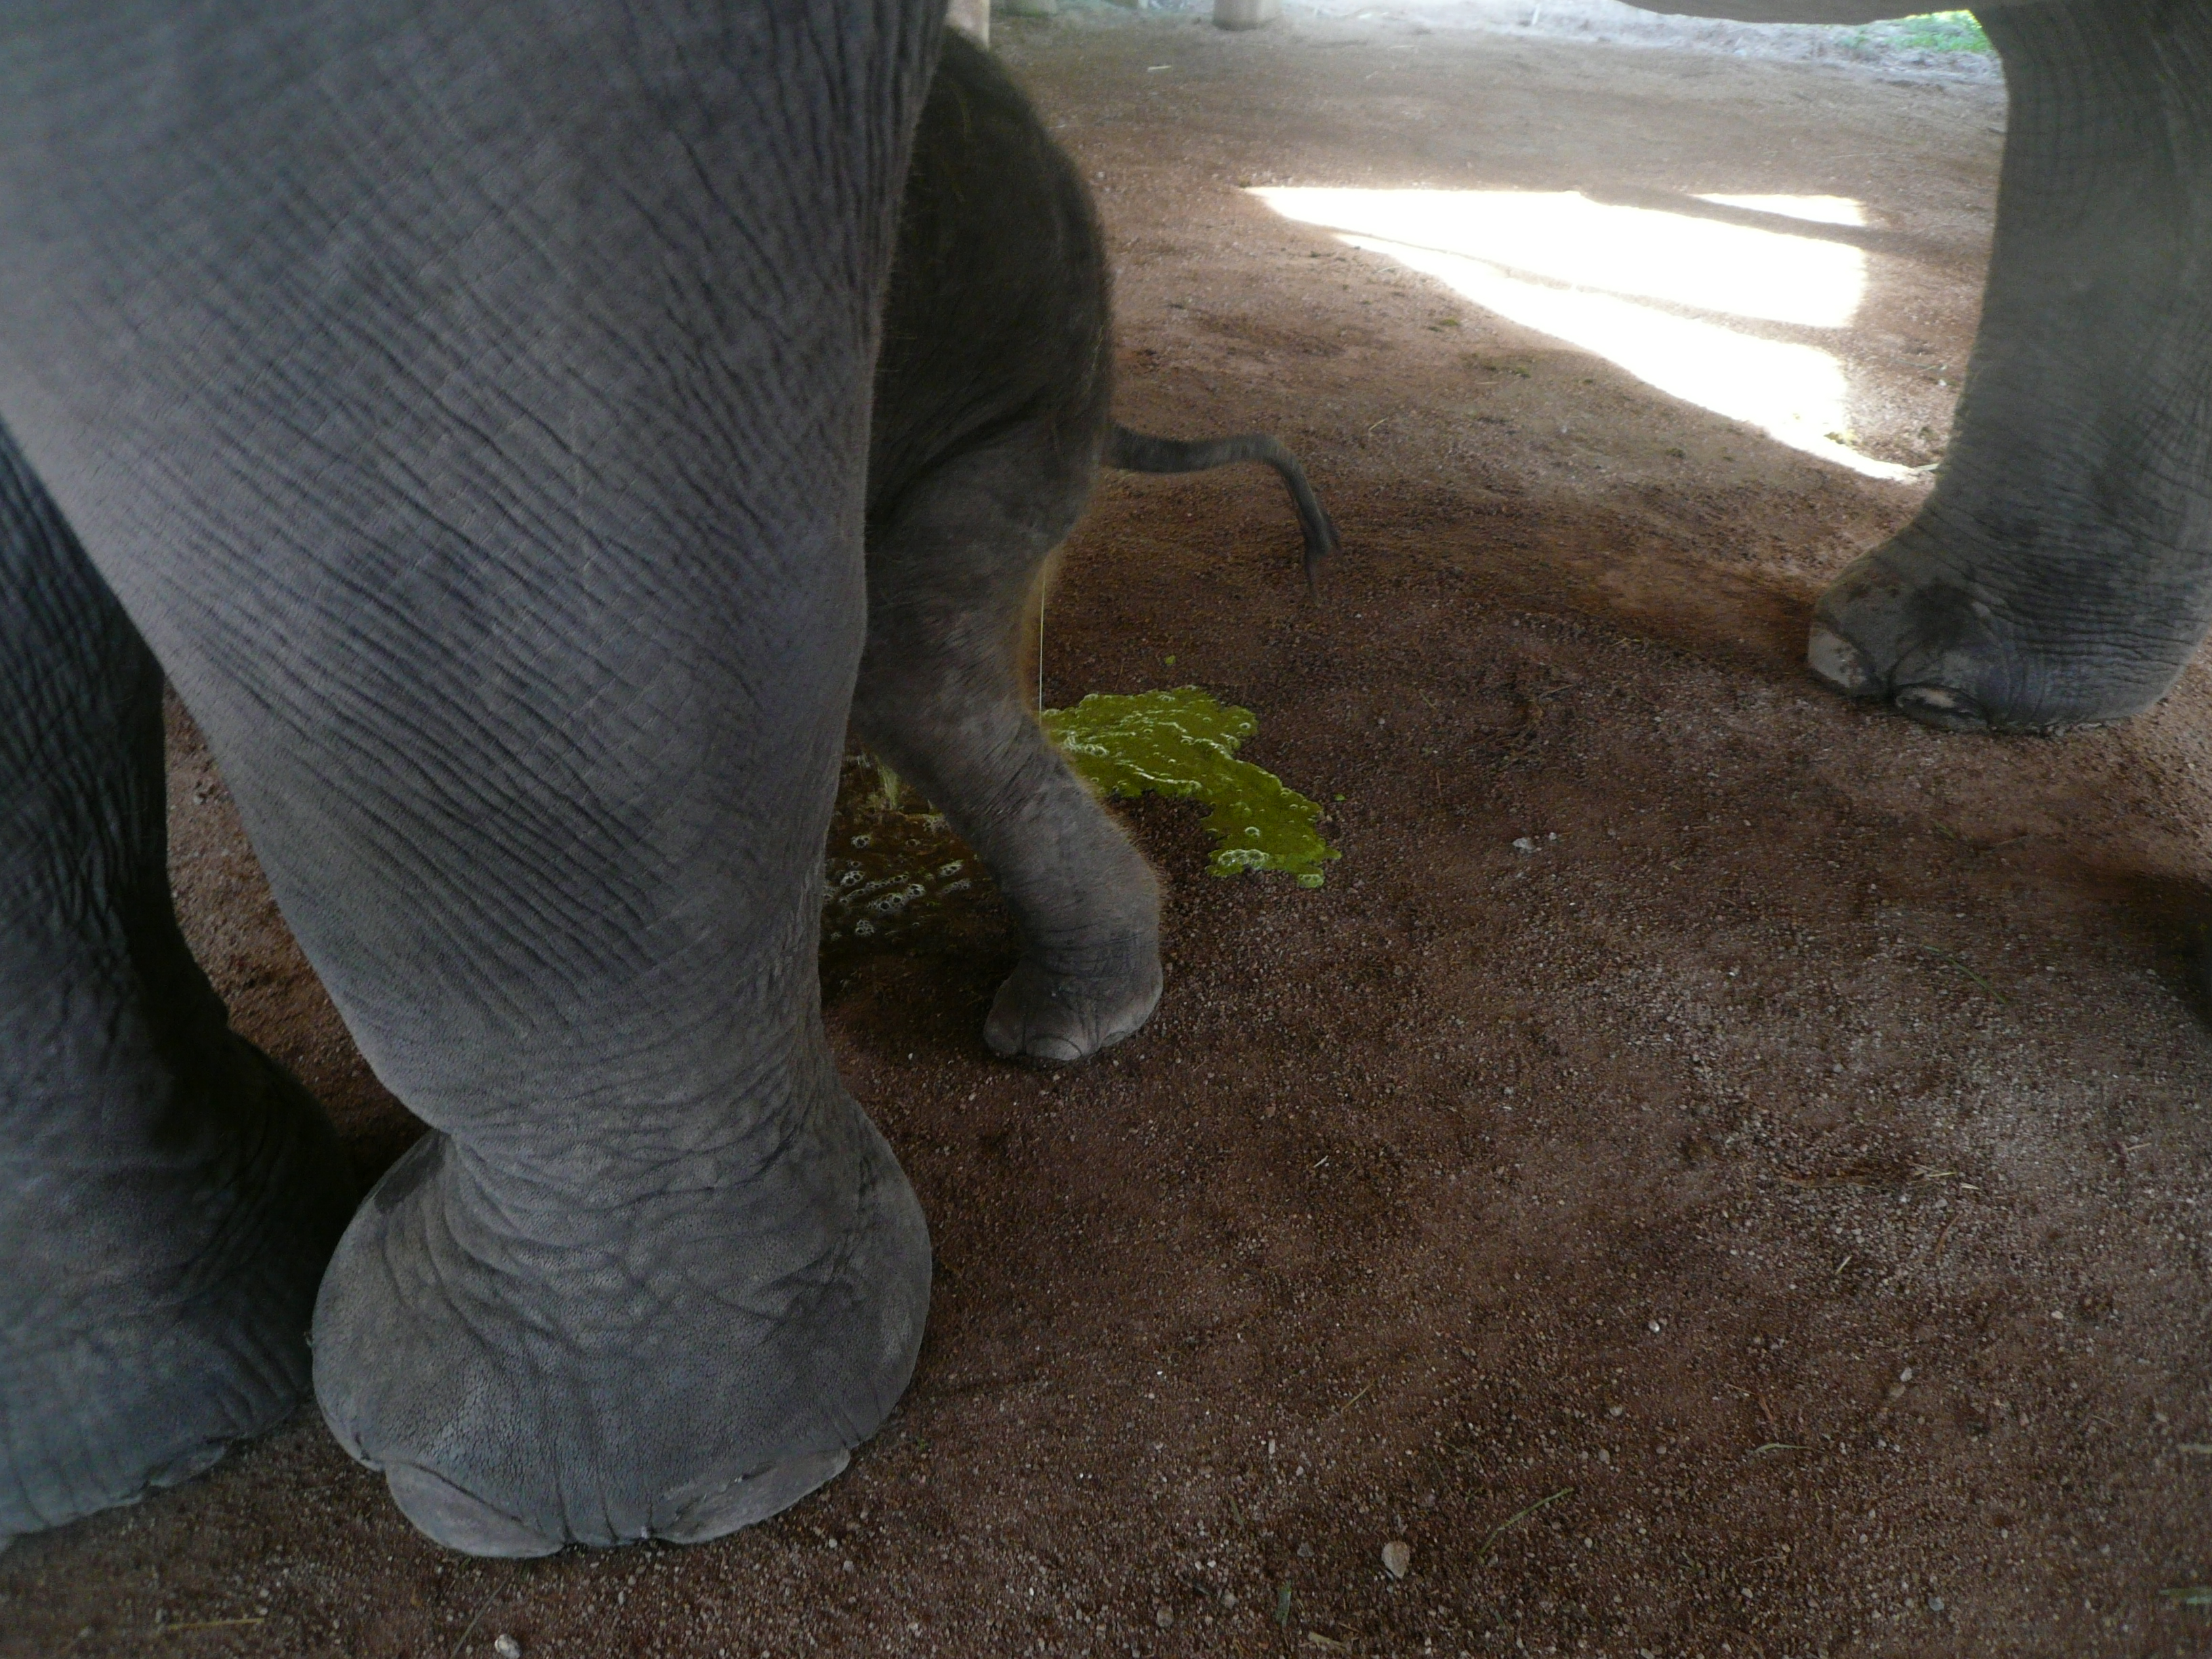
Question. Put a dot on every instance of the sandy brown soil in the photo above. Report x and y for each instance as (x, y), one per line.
(1765, 1219)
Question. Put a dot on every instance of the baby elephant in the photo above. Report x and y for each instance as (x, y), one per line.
(991, 421)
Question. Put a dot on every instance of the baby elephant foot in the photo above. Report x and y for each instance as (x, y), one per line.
(602, 1347)
(155, 1304)
(1062, 1011)
(1991, 649)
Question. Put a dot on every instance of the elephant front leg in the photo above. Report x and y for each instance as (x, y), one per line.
(2060, 571)
(950, 575)
(168, 1196)
(481, 448)
(654, 1274)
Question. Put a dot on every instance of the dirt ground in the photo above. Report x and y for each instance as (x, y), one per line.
(1716, 1171)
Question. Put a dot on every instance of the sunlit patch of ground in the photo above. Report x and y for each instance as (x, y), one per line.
(1671, 296)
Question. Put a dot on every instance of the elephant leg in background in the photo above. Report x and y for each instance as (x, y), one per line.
(512, 566)
(950, 573)
(168, 1196)
(2060, 572)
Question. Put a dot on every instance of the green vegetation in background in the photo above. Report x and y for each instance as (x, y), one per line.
(1943, 31)
(1934, 31)
(1183, 744)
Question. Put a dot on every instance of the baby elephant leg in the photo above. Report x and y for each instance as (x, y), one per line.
(951, 570)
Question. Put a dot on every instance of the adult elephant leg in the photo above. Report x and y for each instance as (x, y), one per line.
(2060, 570)
(470, 407)
(949, 576)
(168, 1196)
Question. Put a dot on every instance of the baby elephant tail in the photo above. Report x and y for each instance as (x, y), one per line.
(1140, 451)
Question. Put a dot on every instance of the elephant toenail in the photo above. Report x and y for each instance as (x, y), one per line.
(1840, 665)
(1940, 706)
(460, 1521)
(722, 1509)
(185, 1464)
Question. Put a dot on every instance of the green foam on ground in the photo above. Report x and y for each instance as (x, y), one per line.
(1183, 744)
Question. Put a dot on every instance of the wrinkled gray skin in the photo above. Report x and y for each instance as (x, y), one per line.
(469, 407)
(2060, 572)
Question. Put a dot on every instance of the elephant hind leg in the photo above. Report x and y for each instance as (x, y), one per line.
(168, 1196)
(2061, 572)
(950, 573)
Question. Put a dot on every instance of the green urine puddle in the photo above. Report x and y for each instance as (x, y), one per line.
(1183, 744)
(896, 872)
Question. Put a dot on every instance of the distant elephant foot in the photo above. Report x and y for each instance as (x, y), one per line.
(1058, 1014)
(670, 1341)
(1967, 649)
(154, 1310)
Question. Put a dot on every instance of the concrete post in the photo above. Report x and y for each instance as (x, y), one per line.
(972, 18)
(1245, 14)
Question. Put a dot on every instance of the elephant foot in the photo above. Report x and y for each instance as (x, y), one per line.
(670, 1341)
(1056, 1016)
(463, 1521)
(1952, 645)
(155, 1306)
